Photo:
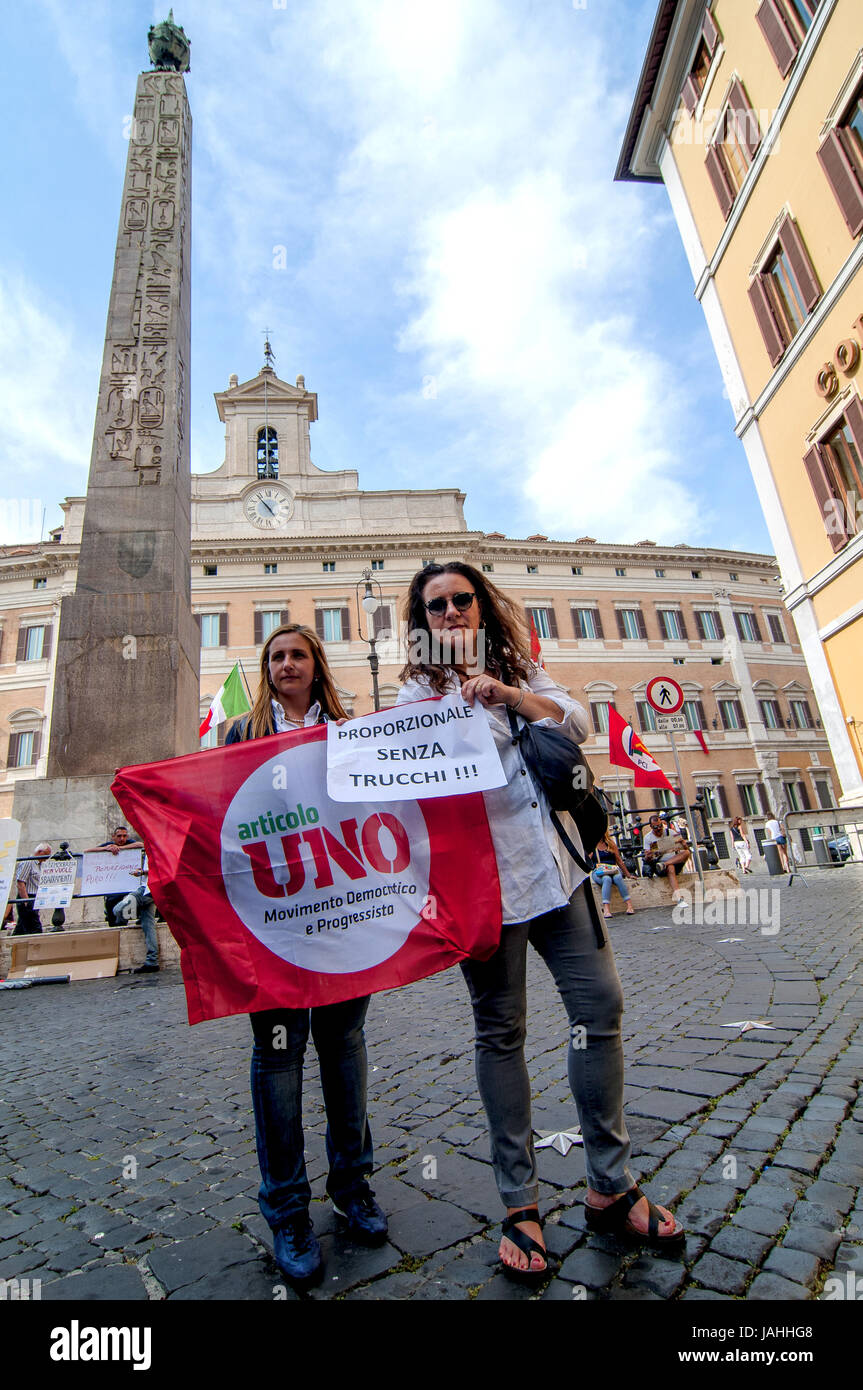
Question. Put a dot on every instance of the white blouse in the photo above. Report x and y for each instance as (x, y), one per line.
(537, 873)
(285, 726)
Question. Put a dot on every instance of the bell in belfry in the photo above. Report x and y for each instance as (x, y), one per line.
(169, 47)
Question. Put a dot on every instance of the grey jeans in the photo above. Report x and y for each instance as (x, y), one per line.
(588, 983)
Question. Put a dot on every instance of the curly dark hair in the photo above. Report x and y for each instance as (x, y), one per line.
(507, 652)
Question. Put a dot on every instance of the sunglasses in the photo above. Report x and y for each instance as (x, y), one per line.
(461, 602)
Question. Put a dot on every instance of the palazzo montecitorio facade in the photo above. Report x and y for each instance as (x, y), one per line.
(276, 538)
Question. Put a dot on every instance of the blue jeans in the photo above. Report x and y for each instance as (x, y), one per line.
(146, 921)
(589, 986)
(606, 880)
(277, 1097)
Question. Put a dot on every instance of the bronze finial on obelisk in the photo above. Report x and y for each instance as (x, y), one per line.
(126, 681)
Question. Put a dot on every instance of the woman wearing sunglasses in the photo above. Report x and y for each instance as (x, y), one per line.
(296, 690)
(465, 634)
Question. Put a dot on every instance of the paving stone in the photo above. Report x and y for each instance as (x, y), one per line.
(429, 1226)
(761, 1219)
(244, 1282)
(347, 1264)
(796, 1265)
(813, 1239)
(665, 1105)
(797, 1159)
(189, 1260)
(120, 1283)
(593, 1268)
(739, 1244)
(831, 1195)
(660, 1276)
(719, 1273)
(772, 1288)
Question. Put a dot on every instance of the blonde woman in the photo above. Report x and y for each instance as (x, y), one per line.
(296, 690)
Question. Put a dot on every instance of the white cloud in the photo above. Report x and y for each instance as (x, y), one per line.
(48, 385)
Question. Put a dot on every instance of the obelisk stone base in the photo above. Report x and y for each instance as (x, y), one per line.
(78, 809)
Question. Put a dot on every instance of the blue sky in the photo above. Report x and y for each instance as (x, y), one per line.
(474, 300)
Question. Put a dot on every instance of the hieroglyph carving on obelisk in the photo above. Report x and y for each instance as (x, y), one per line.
(126, 685)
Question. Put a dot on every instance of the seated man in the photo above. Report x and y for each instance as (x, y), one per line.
(664, 853)
(119, 840)
(142, 900)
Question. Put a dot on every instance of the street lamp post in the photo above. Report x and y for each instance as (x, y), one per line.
(370, 603)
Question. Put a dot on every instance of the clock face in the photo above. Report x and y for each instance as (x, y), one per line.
(269, 507)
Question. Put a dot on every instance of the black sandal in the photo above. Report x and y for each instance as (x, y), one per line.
(527, 1245)
(613, 1219)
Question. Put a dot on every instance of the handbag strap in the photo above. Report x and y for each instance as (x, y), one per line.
(568, 843)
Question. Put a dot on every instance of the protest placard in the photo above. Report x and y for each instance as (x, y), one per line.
(104, 872)
(10, 833)
(56, 883)
(429, 748)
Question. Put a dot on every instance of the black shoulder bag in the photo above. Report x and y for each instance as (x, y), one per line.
(559, 767)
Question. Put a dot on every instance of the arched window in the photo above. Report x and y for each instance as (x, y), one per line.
(268, 453)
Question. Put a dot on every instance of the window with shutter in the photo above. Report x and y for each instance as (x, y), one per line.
(599, 715)
(259, 629)
(763, 798)
(646, 717)
(781, 41)
(223, 629)
(803, 793)
(823, 793)
(724, 189)
(784, 291)
(834, 466)
(774, 339)
(319, 623)
(383, 621)
(630, 624)
(12, 752)
(723, 799)
(346, 624)
(777, 632)
(841, 158)
(586, 624)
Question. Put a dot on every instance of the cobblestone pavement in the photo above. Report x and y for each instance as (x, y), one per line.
(130, 1168)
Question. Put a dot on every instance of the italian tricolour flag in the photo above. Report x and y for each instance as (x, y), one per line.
(230, 701)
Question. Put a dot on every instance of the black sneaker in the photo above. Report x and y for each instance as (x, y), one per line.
(145, 969)
(366, 1223)
(296, 1250)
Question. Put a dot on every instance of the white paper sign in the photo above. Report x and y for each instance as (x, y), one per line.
(10, 833)
(424, 749)
(671, 723)
(104, 872)
(56, 883)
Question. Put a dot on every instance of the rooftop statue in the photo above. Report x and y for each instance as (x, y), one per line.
(169, 47)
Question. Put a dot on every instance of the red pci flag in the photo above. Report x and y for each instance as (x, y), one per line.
(625, 749)
(703, 741)
(281, 898)
(535, 648)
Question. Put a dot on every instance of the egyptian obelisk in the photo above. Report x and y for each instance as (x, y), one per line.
(126, 683)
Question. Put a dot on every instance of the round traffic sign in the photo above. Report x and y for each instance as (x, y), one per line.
(664, 694)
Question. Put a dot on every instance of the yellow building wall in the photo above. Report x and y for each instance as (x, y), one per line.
(793, 411)
(841, 594)
(845, 658)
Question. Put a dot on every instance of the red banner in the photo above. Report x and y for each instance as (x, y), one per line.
(279, 897)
